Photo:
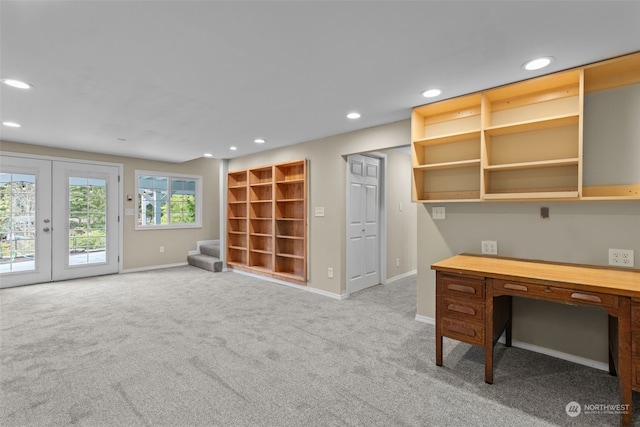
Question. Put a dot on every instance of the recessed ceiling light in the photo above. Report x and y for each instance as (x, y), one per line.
(259, 140)
(208, 155)
(11, 124)
(431, 93)
(538, 63)
(233, 148)
(353, 116)
(16, 83)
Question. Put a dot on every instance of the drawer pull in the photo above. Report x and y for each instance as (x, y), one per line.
(461, 288)
(462, 330)
(586, 297)
(461, 309)
(515, 287)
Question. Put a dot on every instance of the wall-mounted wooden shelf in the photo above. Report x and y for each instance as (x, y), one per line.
(520, 141)
(272, 202)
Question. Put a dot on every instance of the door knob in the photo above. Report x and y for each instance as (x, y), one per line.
(46, 221)
(45, 229)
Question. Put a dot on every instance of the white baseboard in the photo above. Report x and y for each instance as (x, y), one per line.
(538, 349)
(558, 354)
(291, 285)
(402, 276)
(154, 267)
(425, 319)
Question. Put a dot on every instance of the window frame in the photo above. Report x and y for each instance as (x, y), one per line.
(169, 176)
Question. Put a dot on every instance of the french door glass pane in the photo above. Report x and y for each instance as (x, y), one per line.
(17, 222)
(87, 221)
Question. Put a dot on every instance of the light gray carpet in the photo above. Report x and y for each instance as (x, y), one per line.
(185, 347)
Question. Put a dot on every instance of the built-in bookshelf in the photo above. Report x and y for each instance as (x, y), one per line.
(522, 141)
(272, 202)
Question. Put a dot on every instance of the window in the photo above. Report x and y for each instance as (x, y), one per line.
(166, 200)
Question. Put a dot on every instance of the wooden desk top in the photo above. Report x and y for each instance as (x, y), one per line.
(600, 279)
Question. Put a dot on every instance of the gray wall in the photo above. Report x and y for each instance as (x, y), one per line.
(576, 232)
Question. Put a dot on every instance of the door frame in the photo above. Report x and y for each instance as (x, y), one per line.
(120, 196)
(382, 230)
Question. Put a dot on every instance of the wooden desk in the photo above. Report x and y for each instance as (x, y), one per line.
(474, 305)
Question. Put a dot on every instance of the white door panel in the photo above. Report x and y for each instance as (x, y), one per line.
(85, 211)
(25, 221)
(363, 206)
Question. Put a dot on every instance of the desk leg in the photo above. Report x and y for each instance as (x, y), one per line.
(613, 344)
(488, 334)
(624, 359)
(438, 347)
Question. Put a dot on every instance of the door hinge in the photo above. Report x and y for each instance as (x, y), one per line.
(118, 178)
(118, 218)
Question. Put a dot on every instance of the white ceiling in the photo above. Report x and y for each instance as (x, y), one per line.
(176, 79)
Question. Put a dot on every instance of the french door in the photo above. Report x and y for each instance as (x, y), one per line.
(58, 220)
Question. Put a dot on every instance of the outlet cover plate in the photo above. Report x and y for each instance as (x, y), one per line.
(489, 247)
(621, 257)
(438, 212)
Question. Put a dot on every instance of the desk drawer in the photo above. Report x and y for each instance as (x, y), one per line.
(461, 287)
(469, 332)
(553, 293)
(463, 308)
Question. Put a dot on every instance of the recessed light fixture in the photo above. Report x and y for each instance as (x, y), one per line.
(353, 116)
(233, 148)
(11, 124)
(538, 63)
(208, 155)
(259, 140)
(16, 83)
(431, 93)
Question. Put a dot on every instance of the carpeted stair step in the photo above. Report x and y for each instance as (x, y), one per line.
(211, 249)
(206, 262)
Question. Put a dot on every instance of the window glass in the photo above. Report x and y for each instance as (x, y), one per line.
(167, 200)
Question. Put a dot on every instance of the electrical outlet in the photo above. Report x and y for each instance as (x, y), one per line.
(330, 272)
(438, 212)
(397, 262)
(621, 257)
(490, 247)
(161, 248)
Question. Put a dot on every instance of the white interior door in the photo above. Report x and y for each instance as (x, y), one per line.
(363, 222)
(85, 220)
(58, 220)
(25, 221)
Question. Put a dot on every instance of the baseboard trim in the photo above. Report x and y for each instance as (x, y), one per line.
(291, 285)
(402, 276)
(538, 349)
(558, 354)
(425, 319)
(154, 267)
